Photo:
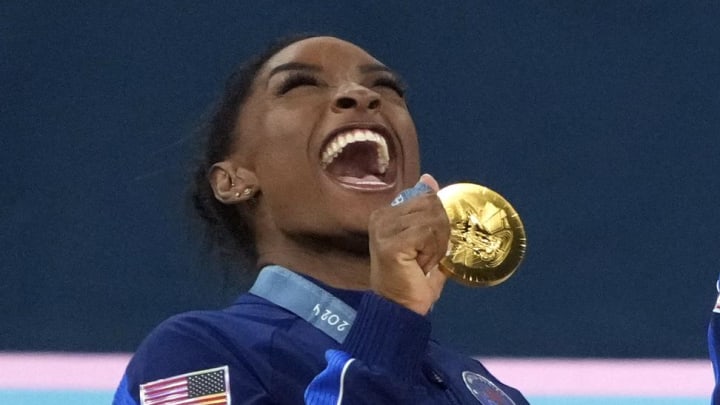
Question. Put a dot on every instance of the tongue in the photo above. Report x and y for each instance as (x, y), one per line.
(368, 179)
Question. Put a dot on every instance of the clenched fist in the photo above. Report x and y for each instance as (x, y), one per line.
(407, 242)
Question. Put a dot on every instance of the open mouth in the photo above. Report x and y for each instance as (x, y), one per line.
(359, 158)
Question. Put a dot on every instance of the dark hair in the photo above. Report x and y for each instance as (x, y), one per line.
(225, 225)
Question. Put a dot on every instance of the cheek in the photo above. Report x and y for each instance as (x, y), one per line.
(287, 132)
(286, 171)
(411, 149)
(288, 196)
(285, 136)
(287, 179)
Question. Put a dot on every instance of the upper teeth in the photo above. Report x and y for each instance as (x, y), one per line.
(335, 147)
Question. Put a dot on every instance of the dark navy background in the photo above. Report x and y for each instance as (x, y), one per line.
(600, 121)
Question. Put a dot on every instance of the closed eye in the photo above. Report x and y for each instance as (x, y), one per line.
(392, 83)
(294, 80)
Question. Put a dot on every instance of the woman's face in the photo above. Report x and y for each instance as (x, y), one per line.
(328, 135)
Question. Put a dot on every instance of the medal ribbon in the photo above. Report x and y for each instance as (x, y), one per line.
(305, 299)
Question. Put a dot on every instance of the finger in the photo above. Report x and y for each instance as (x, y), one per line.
(422, 245)
(426, 184)
(436, 281)
(430, 181)
(430, 253)
(419, 212)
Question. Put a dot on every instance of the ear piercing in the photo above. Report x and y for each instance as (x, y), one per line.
(245, 193)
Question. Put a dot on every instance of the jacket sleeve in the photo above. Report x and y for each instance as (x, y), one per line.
(177, 348)
(714, 346)
(378, 359)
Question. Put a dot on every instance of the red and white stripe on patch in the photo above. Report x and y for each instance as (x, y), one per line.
(205, 387)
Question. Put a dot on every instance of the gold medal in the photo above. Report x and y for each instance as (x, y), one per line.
(487, 238)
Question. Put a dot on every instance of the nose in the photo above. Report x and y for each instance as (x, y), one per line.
(354, 96)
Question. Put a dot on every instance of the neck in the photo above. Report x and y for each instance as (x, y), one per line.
(337, 267)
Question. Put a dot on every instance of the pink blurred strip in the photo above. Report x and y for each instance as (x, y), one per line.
(534, 377)
(596, 377)
(77, 371)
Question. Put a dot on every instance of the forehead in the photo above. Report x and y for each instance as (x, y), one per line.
(326, 52)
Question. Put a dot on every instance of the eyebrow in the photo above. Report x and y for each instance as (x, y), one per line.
(375, 67)
(294, 66)
(368, 68)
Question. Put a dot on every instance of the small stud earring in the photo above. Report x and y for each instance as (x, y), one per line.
(247, 191)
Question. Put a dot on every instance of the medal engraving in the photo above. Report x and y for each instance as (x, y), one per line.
(487, 237)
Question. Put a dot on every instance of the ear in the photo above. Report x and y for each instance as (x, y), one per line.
(232, 185)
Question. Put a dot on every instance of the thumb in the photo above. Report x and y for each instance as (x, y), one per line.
(430, 181)
(426, 184)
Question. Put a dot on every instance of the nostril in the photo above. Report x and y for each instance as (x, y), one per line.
(374, 104)
(345, 102)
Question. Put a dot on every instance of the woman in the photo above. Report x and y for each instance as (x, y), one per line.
(311, 144)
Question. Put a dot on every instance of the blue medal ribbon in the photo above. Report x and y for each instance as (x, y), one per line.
(310, 302)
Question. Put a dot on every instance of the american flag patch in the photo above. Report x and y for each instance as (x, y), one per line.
(204, 387)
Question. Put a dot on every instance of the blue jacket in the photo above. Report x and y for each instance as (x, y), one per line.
(714, 346)
(272, 355)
